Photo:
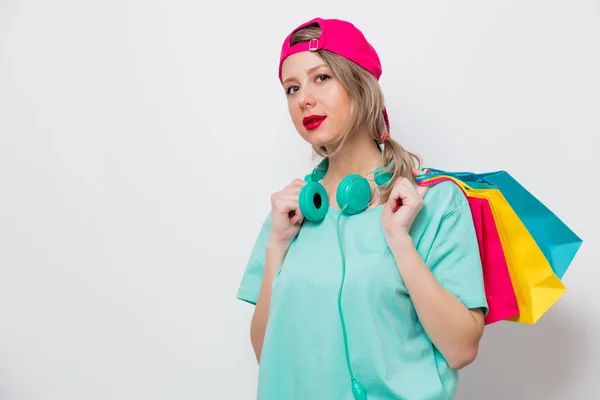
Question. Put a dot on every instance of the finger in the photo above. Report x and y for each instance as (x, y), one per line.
(413, 195)
(398, 195)
(292, 190)
(294, 187)
(422, 190)
(284, 205)
(410, 187)
(296, 183)
(295, 215)
(291, 197)
(417, 172)
(290, 207)
(297, 218)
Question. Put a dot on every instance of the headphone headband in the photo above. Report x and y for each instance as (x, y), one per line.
(353, 194)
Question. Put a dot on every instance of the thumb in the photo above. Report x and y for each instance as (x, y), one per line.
(398, 193)
(421, 189)
(298, 218)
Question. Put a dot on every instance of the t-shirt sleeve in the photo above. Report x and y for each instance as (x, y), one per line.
(454, 258)
(253, 273)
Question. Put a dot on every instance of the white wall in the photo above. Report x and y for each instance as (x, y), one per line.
(137, 137)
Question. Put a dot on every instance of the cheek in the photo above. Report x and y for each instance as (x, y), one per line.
(340, 103)
(296, 116)
(294, 111)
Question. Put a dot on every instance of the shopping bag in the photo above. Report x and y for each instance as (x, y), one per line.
(499, 292)
(556, 240)
(536, 286)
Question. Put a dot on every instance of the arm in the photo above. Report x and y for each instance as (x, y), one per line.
(275, 238)
(275, 253)
(453, 328)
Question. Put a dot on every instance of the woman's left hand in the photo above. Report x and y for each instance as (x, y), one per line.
(402, 207)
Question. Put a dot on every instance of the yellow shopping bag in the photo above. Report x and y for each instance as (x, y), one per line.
(535, 284)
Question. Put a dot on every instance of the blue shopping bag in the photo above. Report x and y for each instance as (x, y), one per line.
(556, 240)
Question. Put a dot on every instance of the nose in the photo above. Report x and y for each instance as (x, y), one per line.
(306, 99)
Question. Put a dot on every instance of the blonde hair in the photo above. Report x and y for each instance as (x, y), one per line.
(366, 109)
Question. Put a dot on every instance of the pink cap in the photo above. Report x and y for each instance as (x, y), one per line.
(339, 37)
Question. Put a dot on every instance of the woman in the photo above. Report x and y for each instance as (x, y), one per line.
(382, 299)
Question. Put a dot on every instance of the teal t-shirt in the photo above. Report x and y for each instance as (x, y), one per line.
(303, 353)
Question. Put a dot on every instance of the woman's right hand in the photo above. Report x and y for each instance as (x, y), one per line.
(286, 218)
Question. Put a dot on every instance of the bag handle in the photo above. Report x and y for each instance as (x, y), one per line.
(430, 178)
(466, 175)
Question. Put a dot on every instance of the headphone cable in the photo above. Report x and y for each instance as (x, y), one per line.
(357, 389)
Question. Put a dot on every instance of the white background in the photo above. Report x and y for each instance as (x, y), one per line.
(140, 142)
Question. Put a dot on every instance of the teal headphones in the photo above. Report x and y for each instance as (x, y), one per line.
(353, 195)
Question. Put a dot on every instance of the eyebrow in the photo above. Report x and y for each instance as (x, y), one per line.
(310, 71)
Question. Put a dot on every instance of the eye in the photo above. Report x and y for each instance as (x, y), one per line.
(291, 90)
(322, 77)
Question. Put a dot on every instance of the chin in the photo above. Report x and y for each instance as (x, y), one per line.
(318, 139)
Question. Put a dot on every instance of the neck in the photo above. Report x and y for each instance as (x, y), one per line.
(359, 155)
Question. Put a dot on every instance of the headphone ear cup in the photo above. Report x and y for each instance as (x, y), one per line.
(382, 177)
(313, 201)
(353, 194)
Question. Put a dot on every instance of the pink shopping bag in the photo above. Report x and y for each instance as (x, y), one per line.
(500, 294)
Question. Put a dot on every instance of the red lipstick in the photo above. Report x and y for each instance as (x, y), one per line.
(313, 121)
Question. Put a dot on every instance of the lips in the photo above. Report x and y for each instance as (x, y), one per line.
(313, 121)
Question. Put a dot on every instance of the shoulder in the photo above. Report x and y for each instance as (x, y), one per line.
(265, 227)
(267, 219)
(444, 198)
